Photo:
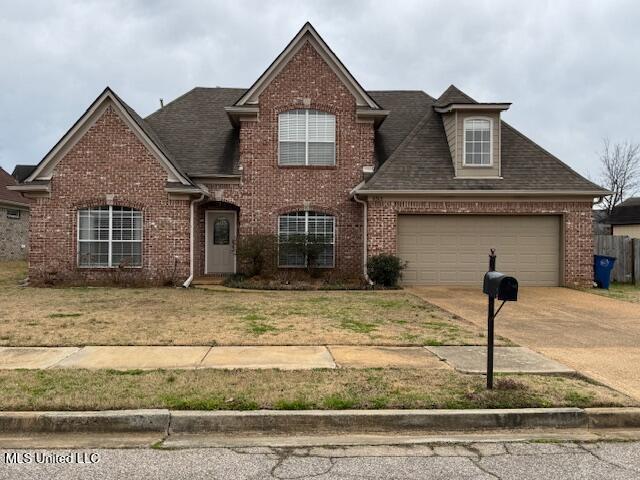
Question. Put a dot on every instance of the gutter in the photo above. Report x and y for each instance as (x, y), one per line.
(24, 206)
(365, 205)
(516, 193)
(39, 187)
(188, 281)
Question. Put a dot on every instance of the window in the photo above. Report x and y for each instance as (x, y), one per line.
(109, 237)
(301, 234)
(221, 231)
(477, 141)
(13, 213)
(307, 137)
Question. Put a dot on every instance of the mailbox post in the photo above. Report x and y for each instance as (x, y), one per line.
(490, 324)
(500, 286)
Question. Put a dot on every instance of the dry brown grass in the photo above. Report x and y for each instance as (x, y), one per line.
(323, 389)
(171, 316)
(620, 291)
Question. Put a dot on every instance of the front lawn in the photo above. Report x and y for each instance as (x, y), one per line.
(292, 390)
(620, 291)
(176, 316)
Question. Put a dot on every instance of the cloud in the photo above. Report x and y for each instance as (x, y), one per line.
(570, 69)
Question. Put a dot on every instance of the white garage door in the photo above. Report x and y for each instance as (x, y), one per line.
(454, 249)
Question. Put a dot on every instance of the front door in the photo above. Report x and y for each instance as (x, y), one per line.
(221, 241)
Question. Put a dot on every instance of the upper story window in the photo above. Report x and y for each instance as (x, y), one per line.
(109, 237)
(13, 213)
(306, 239)
(477, 141)
(307, 137)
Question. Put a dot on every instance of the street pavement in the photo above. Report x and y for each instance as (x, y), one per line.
(495, 460)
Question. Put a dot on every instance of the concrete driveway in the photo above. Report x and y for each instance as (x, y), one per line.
(596, 335)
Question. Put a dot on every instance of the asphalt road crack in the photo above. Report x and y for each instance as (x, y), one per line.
(604, 460)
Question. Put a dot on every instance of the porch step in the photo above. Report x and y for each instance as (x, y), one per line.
(208, 280)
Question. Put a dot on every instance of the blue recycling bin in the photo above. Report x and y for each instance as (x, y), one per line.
(602, 266)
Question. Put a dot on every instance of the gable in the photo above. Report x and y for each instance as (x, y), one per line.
(108, 99)
(307, 36)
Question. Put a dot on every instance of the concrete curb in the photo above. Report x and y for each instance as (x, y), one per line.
(315, 421)
(358, 421)
(109, 421)
(613, 417)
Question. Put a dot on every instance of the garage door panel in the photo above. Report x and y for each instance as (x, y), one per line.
(453, 249)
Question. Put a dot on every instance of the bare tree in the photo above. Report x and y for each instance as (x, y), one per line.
(620, 171)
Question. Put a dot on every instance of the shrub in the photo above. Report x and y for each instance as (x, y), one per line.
(385, 269)
(307, 246)
(256, 254)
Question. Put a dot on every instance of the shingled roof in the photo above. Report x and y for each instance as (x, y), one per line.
(9, 197)
(197, 130)
(195, 133)
(625, 213)
(422, 162)
(453, 95)
(21, 172)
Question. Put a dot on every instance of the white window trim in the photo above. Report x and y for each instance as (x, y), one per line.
(306, 139)
(306, 232)
(464, 143)
(109, 240)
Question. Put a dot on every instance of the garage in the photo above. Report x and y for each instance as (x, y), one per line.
(453, 249)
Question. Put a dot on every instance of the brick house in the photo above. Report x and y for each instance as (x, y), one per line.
(307, 150)
(14, 220)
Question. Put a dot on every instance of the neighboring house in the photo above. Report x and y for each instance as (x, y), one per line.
(600, 225)
(14, 220)
(625, 218)
(21, 172)
(307, 150)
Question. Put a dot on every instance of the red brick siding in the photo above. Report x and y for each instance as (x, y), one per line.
(576, 223)
(109, 160)
(268, 190)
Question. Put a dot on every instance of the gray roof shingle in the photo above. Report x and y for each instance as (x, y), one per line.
(411, 147)
(406, 108)
(422, 161)
(197, 130)
(453, 95)
(21, 172)
(625, 213)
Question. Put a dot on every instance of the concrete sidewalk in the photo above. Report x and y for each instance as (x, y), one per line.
(263, 357)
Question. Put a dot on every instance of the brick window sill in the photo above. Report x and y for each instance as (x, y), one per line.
(105, 269)
(308, 167)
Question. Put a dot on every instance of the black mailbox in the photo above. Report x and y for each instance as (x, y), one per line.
(500, 286)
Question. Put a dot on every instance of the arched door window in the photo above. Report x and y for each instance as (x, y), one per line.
(221, 231)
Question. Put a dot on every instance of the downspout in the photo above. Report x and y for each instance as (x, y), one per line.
(364, 249)
(188, 281)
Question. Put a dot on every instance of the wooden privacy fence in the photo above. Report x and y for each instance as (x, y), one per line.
(627, 252)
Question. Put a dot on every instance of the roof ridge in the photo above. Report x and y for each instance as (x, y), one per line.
(452, 90)
(544, 150)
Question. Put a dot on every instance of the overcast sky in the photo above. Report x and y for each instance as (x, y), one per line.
(570, 68)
